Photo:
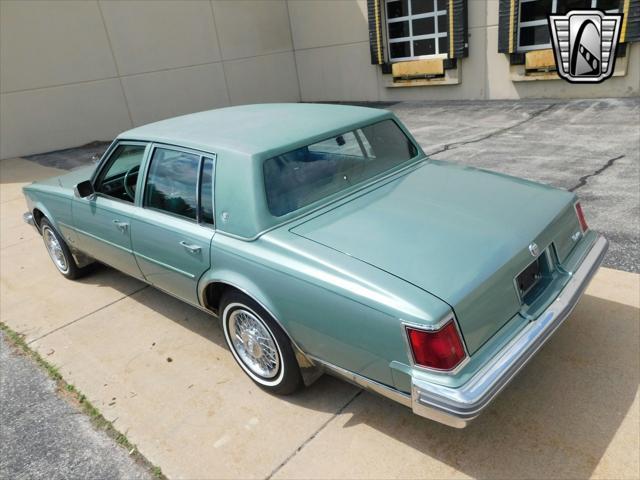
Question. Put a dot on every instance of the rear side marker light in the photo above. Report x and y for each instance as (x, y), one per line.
(583, 223)
(440, 349)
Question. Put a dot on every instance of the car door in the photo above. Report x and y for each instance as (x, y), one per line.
(103, 220)
(172, 232)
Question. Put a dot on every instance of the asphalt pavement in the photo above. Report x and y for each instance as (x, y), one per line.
(44, 436)
(591, 147)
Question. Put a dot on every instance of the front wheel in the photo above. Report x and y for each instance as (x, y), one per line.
(59, 252)
(259, 345)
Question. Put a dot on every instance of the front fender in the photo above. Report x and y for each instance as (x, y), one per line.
(56, 207)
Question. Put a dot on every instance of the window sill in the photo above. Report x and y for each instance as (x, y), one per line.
(422, 73)
(540, 65)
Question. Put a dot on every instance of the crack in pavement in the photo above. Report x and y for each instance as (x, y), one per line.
(582, 181)
(314, 435)
(454, 145)
(86, 315)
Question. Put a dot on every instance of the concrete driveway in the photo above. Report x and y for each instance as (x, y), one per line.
(161, 372)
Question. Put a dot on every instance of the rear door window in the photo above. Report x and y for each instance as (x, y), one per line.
(172, 183)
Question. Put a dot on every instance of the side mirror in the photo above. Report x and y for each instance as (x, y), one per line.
(84, 189)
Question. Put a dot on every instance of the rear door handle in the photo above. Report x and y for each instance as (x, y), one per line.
(122, 226)
(190, 247)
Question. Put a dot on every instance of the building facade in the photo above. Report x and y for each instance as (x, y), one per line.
(76, 71)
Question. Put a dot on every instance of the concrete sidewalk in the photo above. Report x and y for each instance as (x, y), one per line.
(179, 396)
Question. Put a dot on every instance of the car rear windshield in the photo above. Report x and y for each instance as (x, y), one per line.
(303, 176)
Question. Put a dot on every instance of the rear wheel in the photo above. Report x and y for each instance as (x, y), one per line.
(60, 253)
(259, 345)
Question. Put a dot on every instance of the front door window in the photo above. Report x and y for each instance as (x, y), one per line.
(118, 178)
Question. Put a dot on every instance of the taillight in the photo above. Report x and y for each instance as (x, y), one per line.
(440, 349)
(583, 223)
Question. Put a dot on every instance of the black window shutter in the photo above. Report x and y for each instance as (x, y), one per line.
(508, 26)
(460, 34)
(374, 14)
(632, 19)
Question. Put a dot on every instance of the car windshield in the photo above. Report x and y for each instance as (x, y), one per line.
(298, 178)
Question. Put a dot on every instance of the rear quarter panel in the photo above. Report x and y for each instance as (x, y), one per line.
(333, 307)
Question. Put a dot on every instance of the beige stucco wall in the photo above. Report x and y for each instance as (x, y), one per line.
(72, 72)
(76, 71)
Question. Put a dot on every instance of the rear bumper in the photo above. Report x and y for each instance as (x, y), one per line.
(458, 406)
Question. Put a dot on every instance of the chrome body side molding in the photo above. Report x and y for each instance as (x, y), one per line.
(363, 382)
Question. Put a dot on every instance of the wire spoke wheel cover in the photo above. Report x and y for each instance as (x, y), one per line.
(55, 250)
(253, 344)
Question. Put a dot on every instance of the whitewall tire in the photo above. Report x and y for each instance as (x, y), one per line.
(259, 345)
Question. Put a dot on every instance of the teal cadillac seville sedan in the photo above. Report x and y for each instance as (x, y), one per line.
(326, 240)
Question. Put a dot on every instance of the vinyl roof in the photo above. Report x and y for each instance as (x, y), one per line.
(252, 129)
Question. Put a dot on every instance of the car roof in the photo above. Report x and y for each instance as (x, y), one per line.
(253, 129)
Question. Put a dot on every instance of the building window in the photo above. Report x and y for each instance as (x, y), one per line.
(533, 30)
(417, 29)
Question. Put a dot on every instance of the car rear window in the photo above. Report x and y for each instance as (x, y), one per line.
(303, 176)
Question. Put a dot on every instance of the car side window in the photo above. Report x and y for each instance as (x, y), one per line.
(118, 178)
(171, 183)
(206, 192)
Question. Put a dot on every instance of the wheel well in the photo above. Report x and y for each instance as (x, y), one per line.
(37, 217)
(213, 294)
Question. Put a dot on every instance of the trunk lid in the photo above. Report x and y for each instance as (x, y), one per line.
(459, 233)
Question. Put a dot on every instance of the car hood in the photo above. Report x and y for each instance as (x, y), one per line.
(460, 233)
(71, 179)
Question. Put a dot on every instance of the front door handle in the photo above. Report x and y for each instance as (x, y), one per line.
(190, 247)
(122, 226)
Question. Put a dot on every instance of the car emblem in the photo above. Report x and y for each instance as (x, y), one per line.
(534, 250)
(584, 44)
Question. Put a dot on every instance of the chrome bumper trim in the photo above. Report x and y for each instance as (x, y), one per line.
(456, 407)
(28, 218)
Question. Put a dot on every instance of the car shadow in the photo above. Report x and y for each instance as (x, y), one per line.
(556, 419)
(208, 326)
